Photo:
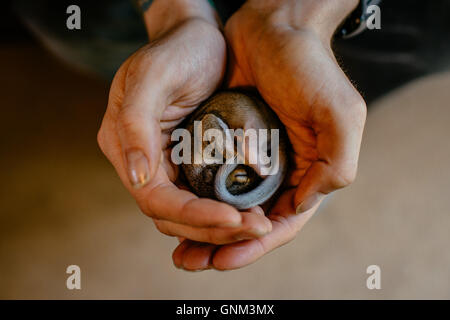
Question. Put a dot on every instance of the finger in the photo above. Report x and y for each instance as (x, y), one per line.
(177, 255)
(338, 122)
(257, 210)
(195, 256)
(130, 132)
(107, 137)
(254, 225)
(165, 201)
(139, 135)
(173, 202)
(286, 223)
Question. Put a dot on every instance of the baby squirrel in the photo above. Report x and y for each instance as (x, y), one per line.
(239, 184)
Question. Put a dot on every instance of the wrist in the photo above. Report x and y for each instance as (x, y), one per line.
(320, 16)
(164, 15)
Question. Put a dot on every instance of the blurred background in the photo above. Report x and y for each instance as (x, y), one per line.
(61, 202)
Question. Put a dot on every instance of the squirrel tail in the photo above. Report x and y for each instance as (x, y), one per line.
(254, 197)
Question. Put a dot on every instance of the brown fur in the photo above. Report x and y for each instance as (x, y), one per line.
(239, 185)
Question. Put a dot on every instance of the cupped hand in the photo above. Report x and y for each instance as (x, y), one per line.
(152, 92)
(283, 50)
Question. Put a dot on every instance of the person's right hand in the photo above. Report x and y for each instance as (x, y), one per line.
(152, 92)
(282, 48)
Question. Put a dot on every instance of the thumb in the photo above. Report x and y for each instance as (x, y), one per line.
(320, 180)
(139, 133)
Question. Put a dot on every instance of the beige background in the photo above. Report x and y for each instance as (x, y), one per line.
(61, 203)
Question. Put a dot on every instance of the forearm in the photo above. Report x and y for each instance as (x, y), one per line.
(323, 16)
(163, 15)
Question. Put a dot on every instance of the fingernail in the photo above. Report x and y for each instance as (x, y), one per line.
(309, 202)
(138, 168)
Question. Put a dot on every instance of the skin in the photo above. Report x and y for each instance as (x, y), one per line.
(152, 92)
(287, 57)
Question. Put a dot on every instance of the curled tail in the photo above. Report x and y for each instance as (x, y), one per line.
(260, 194)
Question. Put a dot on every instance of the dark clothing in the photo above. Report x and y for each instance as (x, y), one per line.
(414, 39)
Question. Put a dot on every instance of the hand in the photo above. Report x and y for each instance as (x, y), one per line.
(150, 95)
(282, 48)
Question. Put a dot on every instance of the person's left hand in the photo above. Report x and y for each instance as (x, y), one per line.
(151, 94)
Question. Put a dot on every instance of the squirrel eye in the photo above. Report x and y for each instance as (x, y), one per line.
(240, 176)
(242, 180)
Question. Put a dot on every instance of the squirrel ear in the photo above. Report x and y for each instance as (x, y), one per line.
(225, 144)
(211, 121)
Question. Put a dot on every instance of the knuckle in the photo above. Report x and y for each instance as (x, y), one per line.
(101, 139)
(131, 123)
(343, 178)
(158, 225)
(140, 62)
(162, 227)
(290, 237)
(358, 110)
(145, 206)
(351, 110)
(105, 144)
(290, 232)
(126, 119)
